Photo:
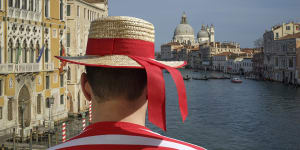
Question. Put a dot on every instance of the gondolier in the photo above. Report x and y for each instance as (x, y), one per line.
(123, 80)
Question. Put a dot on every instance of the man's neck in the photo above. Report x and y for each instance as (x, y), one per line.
(120, 110)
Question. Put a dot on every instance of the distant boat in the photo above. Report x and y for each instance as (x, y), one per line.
(236, 80)
(200, 78)
(186, 77)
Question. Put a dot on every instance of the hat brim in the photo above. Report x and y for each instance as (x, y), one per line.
(114, 61)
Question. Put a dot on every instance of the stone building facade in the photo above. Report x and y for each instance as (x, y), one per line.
(79, 15)
(32, 33)
(281, 58)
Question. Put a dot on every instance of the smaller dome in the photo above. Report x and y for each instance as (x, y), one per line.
(202, 34)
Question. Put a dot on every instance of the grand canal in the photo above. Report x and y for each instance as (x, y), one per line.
(247, 116)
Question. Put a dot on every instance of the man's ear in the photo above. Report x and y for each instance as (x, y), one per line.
(86, 87)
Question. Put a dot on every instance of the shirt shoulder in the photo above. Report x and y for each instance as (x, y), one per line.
(124, 137)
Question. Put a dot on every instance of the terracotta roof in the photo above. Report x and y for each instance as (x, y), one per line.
(96, 1)
(224, 54)
(291, 36)
(172, 43)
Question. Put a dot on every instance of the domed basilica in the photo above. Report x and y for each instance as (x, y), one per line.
(184, 33)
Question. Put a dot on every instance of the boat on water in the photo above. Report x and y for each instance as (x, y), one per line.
(186, 77)
(200, 78)
(236, 80)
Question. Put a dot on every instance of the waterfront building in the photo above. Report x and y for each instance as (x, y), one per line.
(229, 62)
(169, 49)
(197, 52)
(258, 65)
(285, 29)
(79, 15)
(239, 65)
(281, 58)
(32, 82)
(220, 62)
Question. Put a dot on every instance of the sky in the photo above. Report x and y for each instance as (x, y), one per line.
(241, 21)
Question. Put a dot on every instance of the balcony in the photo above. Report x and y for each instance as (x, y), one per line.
(27, 68)
(23, 14)
(20, 68)
(7, 68)
(49, 67)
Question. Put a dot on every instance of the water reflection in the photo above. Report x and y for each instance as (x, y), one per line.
(223, 115)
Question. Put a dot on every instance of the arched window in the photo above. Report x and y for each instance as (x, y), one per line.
(38, 104)
(17, 51)
(61, 8)
(10, 52)
(31, 5)
(10, 3)
(37, 5)
(24, 4)
(69, 73)
(32, 51)
(24, 52)
(1, 52)
(10, 110)
(46, 52)
(17, 3)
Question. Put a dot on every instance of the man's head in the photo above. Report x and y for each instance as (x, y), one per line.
(127, 42)
(113, 83)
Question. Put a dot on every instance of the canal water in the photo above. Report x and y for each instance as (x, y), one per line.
(228, 116)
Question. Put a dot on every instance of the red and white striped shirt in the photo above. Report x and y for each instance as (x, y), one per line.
(122, 135)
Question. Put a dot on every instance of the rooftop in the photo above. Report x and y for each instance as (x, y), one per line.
(291, 36)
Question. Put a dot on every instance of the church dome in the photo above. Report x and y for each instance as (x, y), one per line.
(202, 34)
(184, 29)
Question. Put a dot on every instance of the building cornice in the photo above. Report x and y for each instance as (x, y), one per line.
(89, 4)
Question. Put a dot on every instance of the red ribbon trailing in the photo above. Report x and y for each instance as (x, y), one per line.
(143, 53)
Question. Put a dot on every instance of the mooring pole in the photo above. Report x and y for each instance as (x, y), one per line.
(14, 139)
(30, 142)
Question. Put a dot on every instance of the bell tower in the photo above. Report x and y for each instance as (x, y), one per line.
(212, 33)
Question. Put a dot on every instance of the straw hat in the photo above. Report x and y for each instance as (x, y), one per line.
(103, 31)
(128, 42)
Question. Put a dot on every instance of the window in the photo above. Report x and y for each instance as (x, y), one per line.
(62, 99)
(38, 104)
(277, 35)
(10, 110)
(69, 73)
(84, 13)
(17, 3)
(291, 63)
(37, 5)
(46, 54)
(32, 55)
(47, 8)
(31, 5)
(10, 3)
(61, 8)
(1, 87)
(68, 10)
(288, 27)
(1, 113)
(68, 39)
(24, 4)
(47, 82)
(61, 80)
(0, 54)
(78, 11)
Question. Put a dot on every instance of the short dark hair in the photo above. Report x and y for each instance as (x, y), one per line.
(109, 83)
